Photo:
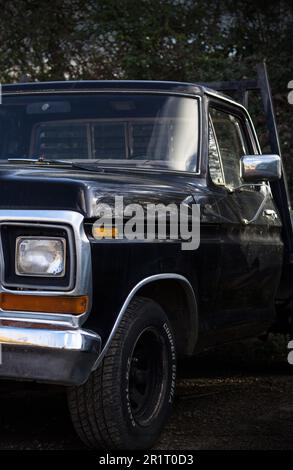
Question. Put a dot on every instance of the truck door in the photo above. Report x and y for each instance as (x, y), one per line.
(250, 228)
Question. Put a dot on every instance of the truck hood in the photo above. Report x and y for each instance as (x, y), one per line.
(53, 188)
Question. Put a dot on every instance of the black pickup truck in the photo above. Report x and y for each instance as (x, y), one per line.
(108, 315)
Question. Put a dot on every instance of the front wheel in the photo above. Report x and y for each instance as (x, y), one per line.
(127, 400)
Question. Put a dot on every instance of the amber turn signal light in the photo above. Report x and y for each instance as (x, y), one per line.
(44, 304)
(105, 232)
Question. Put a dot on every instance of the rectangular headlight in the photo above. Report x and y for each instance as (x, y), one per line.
(40, 256)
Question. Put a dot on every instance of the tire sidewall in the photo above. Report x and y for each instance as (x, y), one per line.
(151, 315)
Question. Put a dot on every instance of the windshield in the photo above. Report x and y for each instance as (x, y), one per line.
(146, 130)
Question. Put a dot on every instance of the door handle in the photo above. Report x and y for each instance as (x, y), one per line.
(270, 214)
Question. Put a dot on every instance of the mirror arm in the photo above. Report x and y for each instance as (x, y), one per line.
(259, 210)
(244, 185)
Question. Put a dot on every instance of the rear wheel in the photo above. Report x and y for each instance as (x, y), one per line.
(127, 400)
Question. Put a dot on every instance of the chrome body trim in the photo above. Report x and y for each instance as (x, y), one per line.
(83, 267)
(73, 340)
(139, 285)
(50, 355)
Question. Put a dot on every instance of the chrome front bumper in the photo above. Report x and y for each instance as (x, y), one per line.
(48, 354)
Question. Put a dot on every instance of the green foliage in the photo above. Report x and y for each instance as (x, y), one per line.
(180, 40)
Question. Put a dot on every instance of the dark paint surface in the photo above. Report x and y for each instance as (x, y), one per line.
(103, 85)
(236, 270)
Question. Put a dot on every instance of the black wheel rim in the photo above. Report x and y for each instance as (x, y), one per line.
(147, 376)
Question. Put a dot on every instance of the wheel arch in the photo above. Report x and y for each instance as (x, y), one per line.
(176, 296)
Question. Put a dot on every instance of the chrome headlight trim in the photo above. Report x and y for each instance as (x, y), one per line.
(71, 250)
(72, 221)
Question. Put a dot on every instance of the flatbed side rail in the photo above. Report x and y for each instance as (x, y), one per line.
(279, 188)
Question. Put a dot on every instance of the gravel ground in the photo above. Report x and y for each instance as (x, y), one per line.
(237, 397)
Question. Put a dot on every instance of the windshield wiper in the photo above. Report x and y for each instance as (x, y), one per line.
(94, 165)
(102, 167)
(47, 162)
(39, 161)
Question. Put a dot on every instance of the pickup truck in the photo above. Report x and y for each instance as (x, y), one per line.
(106, 315)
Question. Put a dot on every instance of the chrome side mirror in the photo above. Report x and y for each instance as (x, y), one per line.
(258, 168)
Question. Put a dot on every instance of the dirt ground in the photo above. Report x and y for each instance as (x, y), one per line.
(238, 397)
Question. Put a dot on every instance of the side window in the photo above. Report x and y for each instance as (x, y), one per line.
(215, 162)
(229, 143)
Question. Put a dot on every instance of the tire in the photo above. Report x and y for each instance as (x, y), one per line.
(126, 402)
